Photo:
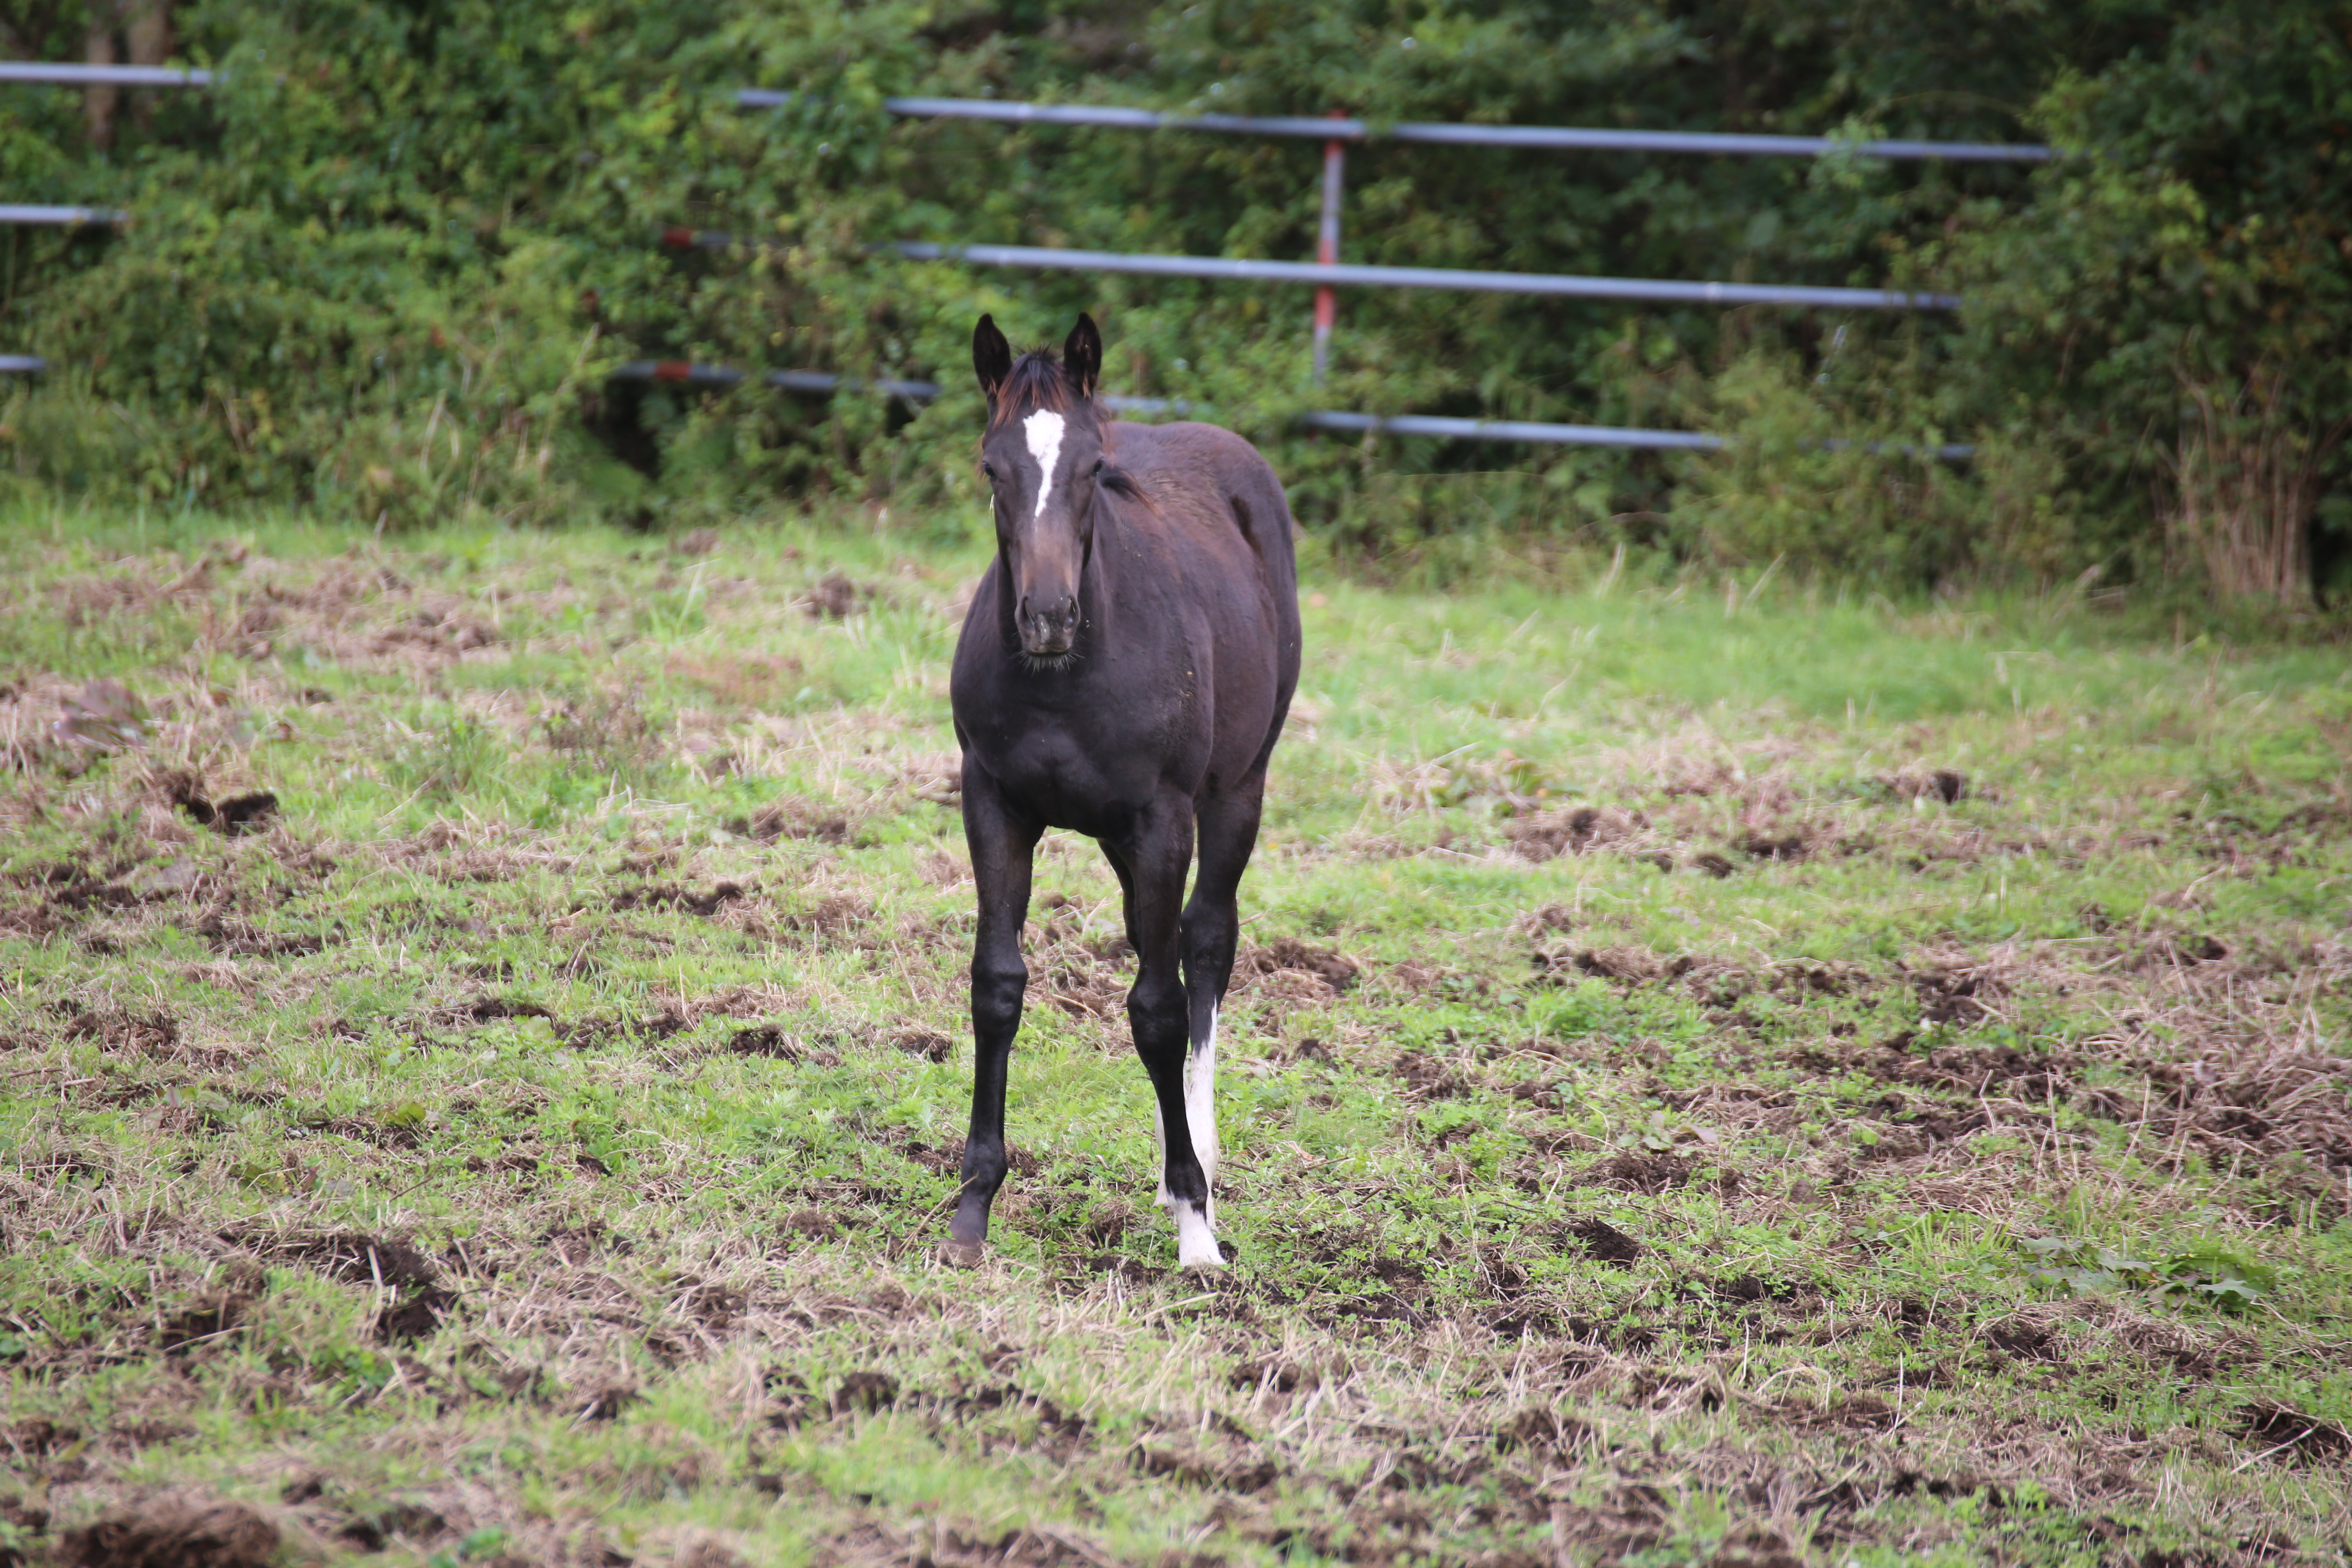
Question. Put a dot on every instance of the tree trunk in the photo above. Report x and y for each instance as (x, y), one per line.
(98, 102)
(146, 27)
(149, 34)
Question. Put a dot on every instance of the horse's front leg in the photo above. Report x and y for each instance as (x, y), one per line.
(1159, 1012)
(1001, 839)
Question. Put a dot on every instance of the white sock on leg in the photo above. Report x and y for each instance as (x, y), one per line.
(1201, 1111)
(1196, 1245)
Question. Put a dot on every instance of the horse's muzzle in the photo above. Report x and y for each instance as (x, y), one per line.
(1048, 630)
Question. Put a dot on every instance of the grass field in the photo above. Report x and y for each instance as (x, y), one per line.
(1730, 1076)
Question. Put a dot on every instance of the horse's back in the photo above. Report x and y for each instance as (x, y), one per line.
(1202, 481)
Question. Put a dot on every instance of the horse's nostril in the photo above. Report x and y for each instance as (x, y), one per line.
(1048, 621)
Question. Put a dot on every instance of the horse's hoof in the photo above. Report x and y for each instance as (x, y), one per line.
(963, 1254)
(1196, 1243)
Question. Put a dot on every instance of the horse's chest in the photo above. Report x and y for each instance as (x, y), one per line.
(1093, 768)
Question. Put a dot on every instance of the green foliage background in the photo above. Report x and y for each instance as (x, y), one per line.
(386, 264)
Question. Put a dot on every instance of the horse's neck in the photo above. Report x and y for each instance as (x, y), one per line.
(1108, 561)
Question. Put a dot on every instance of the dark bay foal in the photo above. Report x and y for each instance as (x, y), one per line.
(1124, 672)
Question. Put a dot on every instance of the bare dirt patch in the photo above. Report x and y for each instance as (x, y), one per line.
(1545, 835)
(836, 915)
(673, 897)
(1600, 1241)
(1636, 1170)
(419, 1301)
(777, 1043)
(353, 1257)
(152, 1034)
(2282, 1429)
(836, 597)
(1289, 955)
(231, 816)
(794, 817)
(2269, 1099)
(172, 1534)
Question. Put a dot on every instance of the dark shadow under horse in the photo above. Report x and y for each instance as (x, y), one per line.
(1124, 672)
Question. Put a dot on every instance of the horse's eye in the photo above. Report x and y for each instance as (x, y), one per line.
(988, 473)
(1099, 468)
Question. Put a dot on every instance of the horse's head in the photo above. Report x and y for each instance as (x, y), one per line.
(1044, 459)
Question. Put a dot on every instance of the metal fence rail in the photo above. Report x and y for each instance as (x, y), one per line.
(1541, 138)
(1513, 430)
(1324, 275)
(65, 217)
(683, 373)
(1546, 137)
(33, 71)
(1345, 275)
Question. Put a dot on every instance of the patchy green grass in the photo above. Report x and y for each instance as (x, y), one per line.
(1739, 1078)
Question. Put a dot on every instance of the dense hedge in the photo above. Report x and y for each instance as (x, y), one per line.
(386, 264)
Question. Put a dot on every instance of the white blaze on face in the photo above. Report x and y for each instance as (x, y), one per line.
(1043, 429)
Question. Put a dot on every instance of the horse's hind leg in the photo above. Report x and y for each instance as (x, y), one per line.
(1228, 833)
(1002, 840)
(1155, 861)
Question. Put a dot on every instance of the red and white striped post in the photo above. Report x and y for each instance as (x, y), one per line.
(1326, 250)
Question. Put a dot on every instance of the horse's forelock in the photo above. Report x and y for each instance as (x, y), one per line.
(1037, 380)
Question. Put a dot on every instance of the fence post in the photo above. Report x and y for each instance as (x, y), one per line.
(1327, 251)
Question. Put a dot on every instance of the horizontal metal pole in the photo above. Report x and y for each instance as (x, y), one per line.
(63, 216)
(1513, 430)
(1153, 405)
(678, 371)
(1547, 138)
(102, 76)
(1320, 275)
(1713, 143)
(685, 374)
(1951, 453)
(1572, 435)
(682, 372)
(1316, 275)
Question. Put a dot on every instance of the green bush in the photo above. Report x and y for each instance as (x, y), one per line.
(2170, 311)
(387, 266)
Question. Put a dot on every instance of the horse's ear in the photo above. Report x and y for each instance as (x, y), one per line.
(991, 356)
(1082, 356)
